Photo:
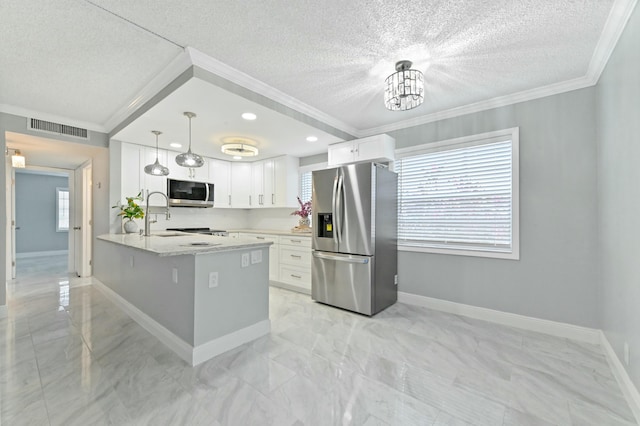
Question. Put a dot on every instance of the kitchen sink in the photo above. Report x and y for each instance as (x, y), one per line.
(202, 244)
(169, 235)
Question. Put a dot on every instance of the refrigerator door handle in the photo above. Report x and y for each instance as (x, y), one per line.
(338, 203)
(334, 208)
(360, 260)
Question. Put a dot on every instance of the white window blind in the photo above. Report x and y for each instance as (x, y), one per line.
(305, 186)
(457, 198)
(62, 211)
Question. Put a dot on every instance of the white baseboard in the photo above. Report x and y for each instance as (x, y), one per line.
(41, 253)
(3, 311)
(290, 287)
(628, 388)
(206, 351)
(190, 354)
(559, 329)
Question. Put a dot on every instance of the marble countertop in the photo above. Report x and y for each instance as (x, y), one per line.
(171, 243)
(272, 232)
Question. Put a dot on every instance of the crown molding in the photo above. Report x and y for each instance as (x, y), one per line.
(526, 95)
(616, 22)
(177, 66)
(29, 113)
(223, 70)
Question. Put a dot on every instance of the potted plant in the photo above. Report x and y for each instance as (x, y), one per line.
(304, 212)
(131, 210)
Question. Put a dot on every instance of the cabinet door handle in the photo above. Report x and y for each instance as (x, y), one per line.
(295, 241)
(296, 256)
(272, 198)
(229, 199)
(296, 276)
(249, 199)
(260, 238)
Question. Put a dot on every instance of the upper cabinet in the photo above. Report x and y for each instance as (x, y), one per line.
(241, 186)
(220, 177)
(372, 148)
(275, 182)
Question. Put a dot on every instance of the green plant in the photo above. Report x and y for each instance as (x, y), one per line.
(131, 210)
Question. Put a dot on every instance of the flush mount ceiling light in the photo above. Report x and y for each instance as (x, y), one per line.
(404, 89)
(175, 145)
(240, 148)
(156, 169)
(18, 160)
(312, 139)
(189, 159)
(249, 116)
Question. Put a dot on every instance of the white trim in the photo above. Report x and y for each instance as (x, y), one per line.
(616, 22)
(4, 312)
(190, 354)
(177, 66)
(626, 385)
(313, 167)
(27, 113)
(238, 77)
(41, 253)
(553, 328)
(290, 287)
(206, 351)
(513, 133)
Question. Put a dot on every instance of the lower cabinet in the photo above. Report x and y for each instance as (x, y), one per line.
(289, 260)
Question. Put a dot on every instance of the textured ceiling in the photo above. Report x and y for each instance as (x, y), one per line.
(76, 59)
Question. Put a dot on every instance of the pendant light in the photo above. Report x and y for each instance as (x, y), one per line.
(189, 159)
(156, 169)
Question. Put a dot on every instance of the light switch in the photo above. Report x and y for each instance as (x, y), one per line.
(245, 260)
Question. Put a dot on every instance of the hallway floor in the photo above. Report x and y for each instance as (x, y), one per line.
(69, 356)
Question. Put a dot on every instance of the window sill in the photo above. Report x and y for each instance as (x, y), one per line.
(461, 252)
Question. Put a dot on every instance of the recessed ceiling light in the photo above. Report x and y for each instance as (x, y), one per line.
(175, 145)
(312, 139)
(237, 157)
(249, 116)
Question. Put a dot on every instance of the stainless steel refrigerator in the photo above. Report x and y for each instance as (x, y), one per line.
(355, 260)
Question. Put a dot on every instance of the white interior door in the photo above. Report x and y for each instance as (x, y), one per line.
(82, 226)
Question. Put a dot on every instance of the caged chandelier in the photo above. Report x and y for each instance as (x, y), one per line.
(404, 89)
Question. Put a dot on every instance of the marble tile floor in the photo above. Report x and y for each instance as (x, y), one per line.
(69, 356)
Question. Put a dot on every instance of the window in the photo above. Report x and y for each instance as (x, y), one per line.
(460, 196)
(305, 186)
(62, 209)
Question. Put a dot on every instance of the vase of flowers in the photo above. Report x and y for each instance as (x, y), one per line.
(304, 212)
(131, 210)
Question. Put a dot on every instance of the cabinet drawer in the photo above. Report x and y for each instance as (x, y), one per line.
(297, 276)
(296, 241)
(292, 256)
(261, 237)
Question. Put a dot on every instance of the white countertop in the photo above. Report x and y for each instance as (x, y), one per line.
(272, 232)
(171, 243)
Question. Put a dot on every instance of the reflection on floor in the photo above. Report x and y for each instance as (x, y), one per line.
(69, 356)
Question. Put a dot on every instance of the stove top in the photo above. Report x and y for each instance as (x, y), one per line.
(207, 231)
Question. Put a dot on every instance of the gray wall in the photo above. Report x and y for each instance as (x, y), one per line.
(36, 213)
(100, 170)
(555, 278)
(618, 109)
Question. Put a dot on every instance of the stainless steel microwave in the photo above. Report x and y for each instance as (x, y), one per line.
(184, 193)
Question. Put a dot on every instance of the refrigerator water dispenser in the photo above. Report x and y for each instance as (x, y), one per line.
(325, 225)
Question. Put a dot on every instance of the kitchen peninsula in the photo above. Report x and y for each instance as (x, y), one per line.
(201, 295)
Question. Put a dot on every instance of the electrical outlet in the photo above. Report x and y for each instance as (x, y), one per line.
(131, 263)
(213, 279)
(626, 353)
(174, 275)
(395, 279)
(256, 256)
(245, 260)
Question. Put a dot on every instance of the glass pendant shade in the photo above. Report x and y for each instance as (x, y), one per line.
(156, 169)
(189, 159)
(404, 89)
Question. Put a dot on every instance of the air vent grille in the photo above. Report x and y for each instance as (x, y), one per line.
(61, 129)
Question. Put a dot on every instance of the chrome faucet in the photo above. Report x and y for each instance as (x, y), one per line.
(155, 210)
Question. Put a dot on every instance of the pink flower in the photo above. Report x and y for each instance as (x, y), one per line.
(305, 209)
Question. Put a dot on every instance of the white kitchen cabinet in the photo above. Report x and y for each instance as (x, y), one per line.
(274, 255)
(241, 185)
(131, 173)
(220, 176)
(198, 174)
(286, 182)
(295, 263)
(372, 148)
(262, 183)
